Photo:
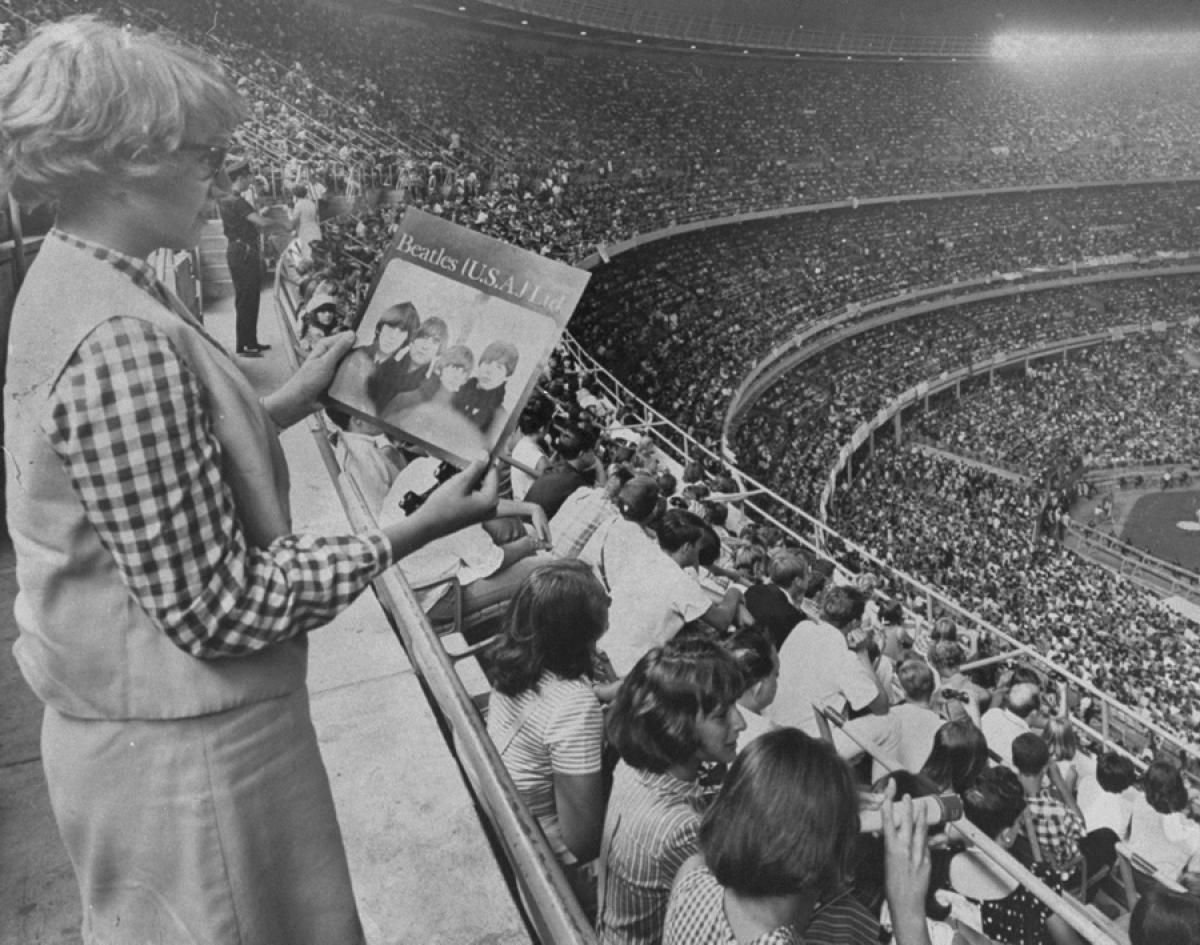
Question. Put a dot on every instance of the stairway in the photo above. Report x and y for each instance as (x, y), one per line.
(215, 281)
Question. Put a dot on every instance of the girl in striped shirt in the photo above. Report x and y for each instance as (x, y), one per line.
(544, 717)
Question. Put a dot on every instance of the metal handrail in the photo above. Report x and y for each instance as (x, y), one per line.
(936, 602)
(1068, 910)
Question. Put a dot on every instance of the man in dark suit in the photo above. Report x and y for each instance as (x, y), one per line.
(243, 224)
(775, 606)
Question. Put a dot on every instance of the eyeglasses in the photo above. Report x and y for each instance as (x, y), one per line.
(213, 156)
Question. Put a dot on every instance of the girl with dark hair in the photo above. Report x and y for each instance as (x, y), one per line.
(776, 851)
(1160, 830)
(1164, 917)
(673, 713)
(958, 757)
(543, 716)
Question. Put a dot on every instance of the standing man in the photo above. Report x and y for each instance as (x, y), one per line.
(243, 224)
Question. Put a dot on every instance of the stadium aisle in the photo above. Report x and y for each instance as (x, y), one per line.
(419, 859)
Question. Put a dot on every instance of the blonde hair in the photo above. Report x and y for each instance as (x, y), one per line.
(84, 100)
(1060, 739)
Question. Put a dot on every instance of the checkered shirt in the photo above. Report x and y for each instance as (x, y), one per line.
(1058, 830)
(127, 418)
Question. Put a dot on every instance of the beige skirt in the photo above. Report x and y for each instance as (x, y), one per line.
(217, 830)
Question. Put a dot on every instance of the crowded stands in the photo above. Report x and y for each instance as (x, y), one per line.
(1118, 404)
(687, 706)
(794, 432)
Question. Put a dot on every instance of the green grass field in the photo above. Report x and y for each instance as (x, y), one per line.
(1150, 526)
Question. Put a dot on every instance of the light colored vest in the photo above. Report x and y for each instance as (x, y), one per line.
(86, 646)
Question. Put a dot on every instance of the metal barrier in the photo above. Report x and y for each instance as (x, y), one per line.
(1118, 725)
(548, 903)
(1075, 915)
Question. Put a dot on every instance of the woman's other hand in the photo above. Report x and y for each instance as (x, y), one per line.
(301, 393)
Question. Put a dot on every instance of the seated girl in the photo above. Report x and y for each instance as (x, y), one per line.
(674, 712)
(318, 323)
(1160, 830)
(1163, 917)
(958, 758)
(1069, 759)
(775, 853)
(544, 717)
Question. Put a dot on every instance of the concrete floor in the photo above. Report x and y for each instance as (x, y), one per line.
(422, 869)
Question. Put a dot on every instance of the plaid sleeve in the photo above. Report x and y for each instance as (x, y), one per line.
(128, 420)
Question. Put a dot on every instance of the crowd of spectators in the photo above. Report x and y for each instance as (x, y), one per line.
(675, 140)
(974, 535)
(358, 100)
(710, 304)
(1124, 403)
(560, 156)
(632, 537)
(682, 321)
(792, 435)
(747, 683)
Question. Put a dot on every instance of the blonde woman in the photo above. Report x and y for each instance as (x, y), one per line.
(1067, 758)
(164, 600)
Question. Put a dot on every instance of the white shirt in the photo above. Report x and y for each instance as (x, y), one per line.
(652, 597)
(1000, 727)
(917, 726)
(901, 739)
(527, 452)
(1101, 809)
(1170, 841)
(816, 666)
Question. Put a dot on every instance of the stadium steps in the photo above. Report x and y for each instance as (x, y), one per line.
(215, 280)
